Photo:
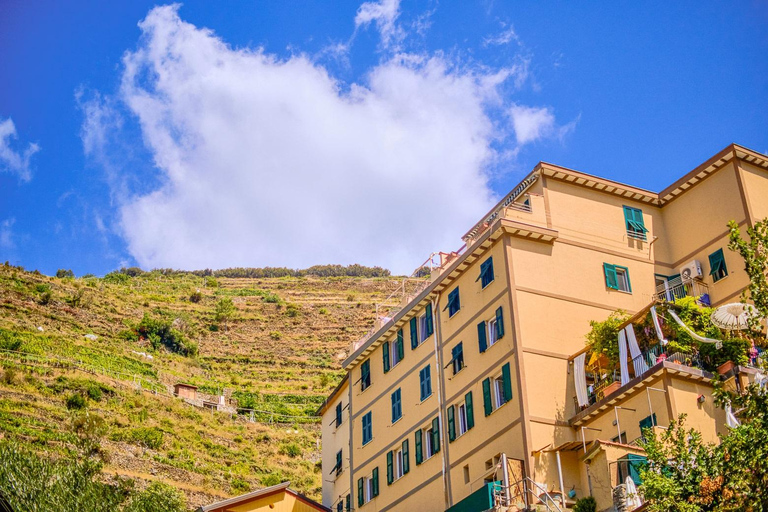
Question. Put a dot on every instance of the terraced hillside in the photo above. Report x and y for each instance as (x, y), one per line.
(114, 346)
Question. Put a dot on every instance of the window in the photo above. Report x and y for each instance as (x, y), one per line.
(490, 332)
(365, 375)
(460, 416)
(647, 422)
(718, 270)
(397, 463)
(457, 358)
(425, 383)
(497, 391)
(620, 439)
(368, 487)
(340, 506)
(466, 474)
(338, 414)
(486, 273)
(454, 304)
(348, 502)
(617, 277)
(462, 419)
(337, 468)
(367, 428)
(393, 353)
(422, 327)
(397, 406)
(633, 219)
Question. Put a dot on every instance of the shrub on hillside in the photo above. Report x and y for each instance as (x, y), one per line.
(62, 273)
(132, 271)
(9, 340)
(290, 449)
(196, 296)
(116, 278)
(75, 402)
(225, 310)
(149, 437)
(157, 497)
(160, 332)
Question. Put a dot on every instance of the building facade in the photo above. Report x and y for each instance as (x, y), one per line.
(478, 365)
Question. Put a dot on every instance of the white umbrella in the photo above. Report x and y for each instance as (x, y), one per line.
(733, 317)
(633, 498)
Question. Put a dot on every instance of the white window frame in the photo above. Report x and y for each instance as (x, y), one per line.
(622, 280)
(462, 414)
(493, 334)
(398, 463)
(368, 487)
(498, 392)
(429, 450)
(422, 337)
(393, 355)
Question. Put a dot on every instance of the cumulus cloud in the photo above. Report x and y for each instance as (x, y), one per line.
(12, 160)
(271, 161)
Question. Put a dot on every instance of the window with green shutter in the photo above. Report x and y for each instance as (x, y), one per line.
(470, 410)
(647, 422)
(506, 375)
(414, 332)
(454, 303)
(418, 446)
(617, 277)
(425, 383)
(367, 428)
(430, 322)
(397, 406)
(340, 506)
(499, 323)
(487, 402)
(399, 349)
(360, 492)
(375, 482)
(390, 467)
(406, 462)
(718, 270)
(385, 355)
(435, 435)
(457, 358)
(633, 220)
(486, 273)
(348, 502)
(365, 375)
(338, 414)
(451, 423)
(482, 336)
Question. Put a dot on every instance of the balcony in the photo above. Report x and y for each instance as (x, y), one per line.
(673, 289)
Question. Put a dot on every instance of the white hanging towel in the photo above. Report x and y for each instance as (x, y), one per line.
(623, 357)
(657, 327)
(730, 418)
(580, 380)
(633, 497)
(634, 350)
(695, 336)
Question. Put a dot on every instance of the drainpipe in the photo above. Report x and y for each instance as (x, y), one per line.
(443, 440)
(560, 476)
(505, 478)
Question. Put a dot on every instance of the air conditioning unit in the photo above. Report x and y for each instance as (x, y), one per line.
(691, 270)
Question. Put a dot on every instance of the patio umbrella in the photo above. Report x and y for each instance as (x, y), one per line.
(633, 498)
(733, 317)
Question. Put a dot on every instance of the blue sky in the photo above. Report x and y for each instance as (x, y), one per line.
(300, 133)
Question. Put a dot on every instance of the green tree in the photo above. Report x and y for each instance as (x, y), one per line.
(225, 310)
(755, 253)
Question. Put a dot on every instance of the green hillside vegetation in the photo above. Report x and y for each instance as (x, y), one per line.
(109, 349)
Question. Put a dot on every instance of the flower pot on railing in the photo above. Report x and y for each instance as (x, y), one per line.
(611, 388)
(726, 367)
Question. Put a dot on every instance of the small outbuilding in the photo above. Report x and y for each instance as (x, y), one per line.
(185, 391)
(278, 498)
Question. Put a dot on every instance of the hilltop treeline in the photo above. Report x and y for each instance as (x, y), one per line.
(354, 270)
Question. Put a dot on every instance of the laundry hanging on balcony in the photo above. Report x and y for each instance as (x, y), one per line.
(623, 367)
(730, 418)
(657, 327)
(638, 361)
(580, 380)
(702, 339)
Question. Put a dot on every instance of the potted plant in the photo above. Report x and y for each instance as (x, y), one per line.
(726, 367)
(610, 388)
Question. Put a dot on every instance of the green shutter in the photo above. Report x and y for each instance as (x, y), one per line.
(717, 266)
(430, 325)
(488, 405)
(375, 478)
(611, 281)
(419, 451)
(385, 355)
(406, 462)
(506, 375)
(482, 338)
(499, 324)
(360, 495)
(365, 374)
(348, 501)
(470, 411)
(400, 349)
(451, 423)
(648, 422)
(436, 434)
(414, 333)
(390, 469)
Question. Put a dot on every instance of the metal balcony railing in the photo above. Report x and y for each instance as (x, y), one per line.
(677, 289)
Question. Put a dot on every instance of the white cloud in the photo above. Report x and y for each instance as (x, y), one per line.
(384, 14)
(6, 234)
(505, 37)
(15, 161)
(268, 161)
(531, 123)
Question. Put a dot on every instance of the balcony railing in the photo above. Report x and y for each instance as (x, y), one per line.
(677, 289)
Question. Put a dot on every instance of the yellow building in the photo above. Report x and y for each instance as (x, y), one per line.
(278, 498)
(477, 366)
